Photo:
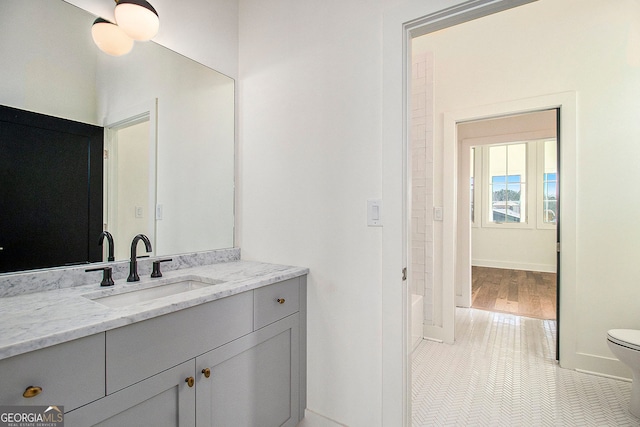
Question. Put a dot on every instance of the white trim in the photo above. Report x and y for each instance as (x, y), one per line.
(465, 235)
(595, 363)
(492, 263)
(313, 419)
(433, 333)
(600, 374)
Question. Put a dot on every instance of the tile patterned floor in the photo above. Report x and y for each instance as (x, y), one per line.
(501, 372)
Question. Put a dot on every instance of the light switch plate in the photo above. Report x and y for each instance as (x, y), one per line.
(374, 213)
(437, 213)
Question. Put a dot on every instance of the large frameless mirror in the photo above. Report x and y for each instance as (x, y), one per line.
(168, 122)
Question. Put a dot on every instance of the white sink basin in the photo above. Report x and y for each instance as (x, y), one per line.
(141, 295)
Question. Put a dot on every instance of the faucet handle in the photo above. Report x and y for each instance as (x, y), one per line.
(107, 280)
(156, 267)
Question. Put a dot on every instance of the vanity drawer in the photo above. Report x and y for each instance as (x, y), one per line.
(70, 374)
(142, 349)
(274, 302)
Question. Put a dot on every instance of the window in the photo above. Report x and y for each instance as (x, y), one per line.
(507, 183)
(550, 183)
(514, 185)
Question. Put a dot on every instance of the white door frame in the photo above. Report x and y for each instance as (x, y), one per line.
(115, 121)
(463, 260)
(400, 25)
(566, 102)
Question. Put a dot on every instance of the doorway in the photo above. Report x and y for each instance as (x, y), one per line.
(508, 214)
(130, 178)
(483, 102)
(130, 204)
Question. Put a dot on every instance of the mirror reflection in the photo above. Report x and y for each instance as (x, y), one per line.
(168, 125)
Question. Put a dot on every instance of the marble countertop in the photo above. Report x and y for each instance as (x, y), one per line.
(33, 321)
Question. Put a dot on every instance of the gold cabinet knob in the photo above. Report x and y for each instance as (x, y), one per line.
(206, 372)
(280, 300)
(190, 381)
(32, 391)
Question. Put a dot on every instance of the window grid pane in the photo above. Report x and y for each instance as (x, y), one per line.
(550, 182)
(550, 198)
(507, 189)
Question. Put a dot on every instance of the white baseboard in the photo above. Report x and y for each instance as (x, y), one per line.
(599, 365)
(313, 419)
(599, 374)
(491, 263)
(433, 333)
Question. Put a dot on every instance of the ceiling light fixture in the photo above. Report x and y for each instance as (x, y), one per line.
(137, 18)
(110, 38)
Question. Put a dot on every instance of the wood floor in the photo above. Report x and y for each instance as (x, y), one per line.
(525, 293)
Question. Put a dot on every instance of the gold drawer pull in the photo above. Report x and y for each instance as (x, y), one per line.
(32, 391)
(280, 300)
(190, 381)
(206, 372)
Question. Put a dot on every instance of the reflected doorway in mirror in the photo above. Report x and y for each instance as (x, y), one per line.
(130, 165)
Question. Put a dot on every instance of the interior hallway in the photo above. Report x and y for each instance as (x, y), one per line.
(525, 293)
(501, 372)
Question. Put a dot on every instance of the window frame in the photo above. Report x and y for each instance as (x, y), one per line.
(540, 192)
(530, 190)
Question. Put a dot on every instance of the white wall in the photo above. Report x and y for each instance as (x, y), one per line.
(553, 46)
(195, 142)
(311, 144)
(529, 249)
(310, 150)
(132, 188)
(55, 77)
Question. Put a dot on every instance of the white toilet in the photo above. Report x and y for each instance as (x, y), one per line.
(625, 345)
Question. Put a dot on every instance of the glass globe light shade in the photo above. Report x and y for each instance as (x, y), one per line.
(137, 18)
(110, 38)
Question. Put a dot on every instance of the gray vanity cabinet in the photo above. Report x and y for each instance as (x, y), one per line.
(254, 380)
(237, 361)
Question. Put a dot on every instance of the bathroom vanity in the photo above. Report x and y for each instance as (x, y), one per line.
(226, 346)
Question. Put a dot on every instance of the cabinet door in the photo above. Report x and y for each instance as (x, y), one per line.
(165, 399)
(254, 380)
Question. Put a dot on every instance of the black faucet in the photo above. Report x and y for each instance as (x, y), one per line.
(133, 264)
(110, 240)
